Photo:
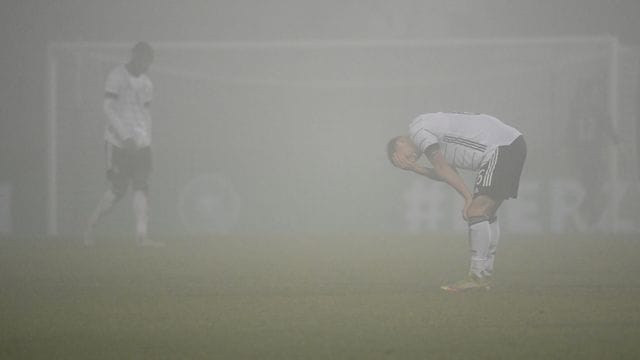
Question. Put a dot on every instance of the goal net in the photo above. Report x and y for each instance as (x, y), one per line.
(289, 137)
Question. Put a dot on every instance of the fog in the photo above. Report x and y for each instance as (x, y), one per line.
(272, 118)
(287, 233)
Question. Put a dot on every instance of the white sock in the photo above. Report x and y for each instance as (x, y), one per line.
(141, 211)
(493, 245)
(479, 239)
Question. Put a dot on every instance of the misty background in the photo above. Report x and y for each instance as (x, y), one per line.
(272, 117)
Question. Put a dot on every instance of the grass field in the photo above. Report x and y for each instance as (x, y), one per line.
(315, 298)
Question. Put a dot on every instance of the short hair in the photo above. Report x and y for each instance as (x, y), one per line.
(391, 147)
(142, 48)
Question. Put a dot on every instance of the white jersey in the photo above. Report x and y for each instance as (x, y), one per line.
(467, 141)
(129, 109)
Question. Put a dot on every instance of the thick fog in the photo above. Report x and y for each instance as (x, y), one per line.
(273, 117)
(278, 227)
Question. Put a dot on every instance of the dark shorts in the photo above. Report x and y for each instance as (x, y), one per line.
(499, 178)
(128, 166)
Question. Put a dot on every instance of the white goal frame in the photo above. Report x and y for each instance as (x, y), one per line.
(54, 48)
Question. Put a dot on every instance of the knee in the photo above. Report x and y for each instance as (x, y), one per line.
(477, 214)
(476, 211)
(482, 206)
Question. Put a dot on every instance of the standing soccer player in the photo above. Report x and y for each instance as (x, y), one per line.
(476, 142)
(128, 95)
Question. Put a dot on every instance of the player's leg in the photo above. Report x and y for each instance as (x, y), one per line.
(497, 181)
(141, 212)
(104, 206)
(506, 181)
(479, 243)
(481, 239)
(111, 196)
(482, 209)
(493, 244)
(484, 241)
(141, 174)
(480, 214)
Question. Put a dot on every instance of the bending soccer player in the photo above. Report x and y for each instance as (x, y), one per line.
(476, 142)
(128, 95)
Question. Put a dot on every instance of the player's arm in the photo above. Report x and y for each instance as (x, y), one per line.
(447, 173)
(427, 172)
(408, 161)
(115, 122)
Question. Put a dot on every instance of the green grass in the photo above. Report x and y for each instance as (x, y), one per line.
(319, 298)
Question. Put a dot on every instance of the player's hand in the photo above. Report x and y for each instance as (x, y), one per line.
(465, 210)
(405, 162)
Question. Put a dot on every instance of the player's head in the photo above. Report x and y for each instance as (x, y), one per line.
(402, 145)
(141, 57)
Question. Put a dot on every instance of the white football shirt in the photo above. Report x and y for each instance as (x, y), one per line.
(466, 140)
(129, 107)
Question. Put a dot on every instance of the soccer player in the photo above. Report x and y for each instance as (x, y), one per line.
(128, 95)
(476, 142)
